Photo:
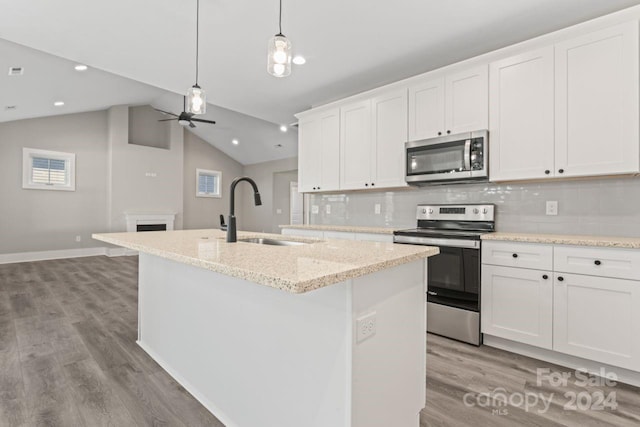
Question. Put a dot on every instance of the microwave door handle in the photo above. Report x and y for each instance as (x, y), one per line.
(467, 155)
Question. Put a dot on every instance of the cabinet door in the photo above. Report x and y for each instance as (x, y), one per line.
(597, 318)
(597, 103)
(467, 100)
(426, 109)
(521, 129)
(355, 146)
(330, 151)
(309, 154)
(517, 304)
(389, 133)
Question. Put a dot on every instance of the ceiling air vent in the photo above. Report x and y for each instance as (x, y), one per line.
(10, 107)
(16, 71)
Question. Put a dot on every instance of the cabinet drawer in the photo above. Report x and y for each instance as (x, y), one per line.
(522, 255)
(617, 263)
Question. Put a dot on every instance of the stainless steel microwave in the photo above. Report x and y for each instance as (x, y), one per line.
(448, 159)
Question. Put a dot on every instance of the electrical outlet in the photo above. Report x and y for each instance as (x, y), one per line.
(315, 209)
(552, 207)
(328, 209)
(376, 208)
(366, 326)
(78, 238)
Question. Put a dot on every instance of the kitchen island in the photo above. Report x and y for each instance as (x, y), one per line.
(326, 333)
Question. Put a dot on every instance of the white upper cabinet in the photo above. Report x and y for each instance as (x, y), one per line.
(319, 151)
(389, 134)
(426, 109)
(597, 103)
(521, 129)
(372, 137)
(567, 110)
(356, 146)
(449, 105)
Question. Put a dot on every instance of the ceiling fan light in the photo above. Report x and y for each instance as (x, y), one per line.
(279, 56)
(183, 122)
(196, 100)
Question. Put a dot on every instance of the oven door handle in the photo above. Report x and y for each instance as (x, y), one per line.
(467, 155)
(428, 241)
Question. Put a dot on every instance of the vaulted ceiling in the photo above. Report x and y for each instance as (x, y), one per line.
(350, 45)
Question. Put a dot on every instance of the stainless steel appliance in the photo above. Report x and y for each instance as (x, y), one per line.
(447, 159)
(453, 295)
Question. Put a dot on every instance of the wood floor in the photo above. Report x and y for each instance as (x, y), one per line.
(68, 357)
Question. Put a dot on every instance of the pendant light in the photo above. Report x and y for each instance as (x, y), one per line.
(196, 97)
(279, 56)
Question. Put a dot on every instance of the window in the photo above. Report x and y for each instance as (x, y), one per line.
(208, 183)
(48, 170)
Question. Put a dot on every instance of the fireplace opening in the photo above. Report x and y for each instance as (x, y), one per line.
(151, 227)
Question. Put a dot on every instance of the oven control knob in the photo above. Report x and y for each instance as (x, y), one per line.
(430, 211)
(485, 211)
(476, 211)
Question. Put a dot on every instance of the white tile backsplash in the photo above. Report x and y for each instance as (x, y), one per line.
(609, 206)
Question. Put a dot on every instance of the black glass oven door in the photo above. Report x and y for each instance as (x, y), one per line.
(455, 269)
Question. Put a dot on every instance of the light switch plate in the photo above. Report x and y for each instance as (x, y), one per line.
(328, 209)
(376, 208)
(552, 207)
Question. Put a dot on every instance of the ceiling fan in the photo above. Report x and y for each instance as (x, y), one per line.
(184, 118)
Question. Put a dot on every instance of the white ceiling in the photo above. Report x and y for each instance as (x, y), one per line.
(48, 79)
(350, 45)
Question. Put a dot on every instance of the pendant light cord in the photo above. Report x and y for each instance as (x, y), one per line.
(280, 19)
(198, 38)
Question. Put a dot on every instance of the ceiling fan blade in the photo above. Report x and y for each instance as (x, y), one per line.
(204, 121)
(191, 125)
(166, 112)
(166, 120)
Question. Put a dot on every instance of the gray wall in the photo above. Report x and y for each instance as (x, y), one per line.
(260, 218)
(39, 220)
(143, 179)
(145, 129)
(609, 206)
(282, 198)
(203, 212)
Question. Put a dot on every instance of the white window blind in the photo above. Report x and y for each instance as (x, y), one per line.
(208, 183)
(48, 170)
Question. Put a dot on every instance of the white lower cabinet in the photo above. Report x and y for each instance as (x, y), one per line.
(597, 318)
(591, 315)
(517, 304)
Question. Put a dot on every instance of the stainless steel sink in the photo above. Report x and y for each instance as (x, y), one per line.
(274, 242)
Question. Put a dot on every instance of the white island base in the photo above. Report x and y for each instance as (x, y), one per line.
(259, 356)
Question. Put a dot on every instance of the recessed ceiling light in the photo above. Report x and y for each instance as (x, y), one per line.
(58, 103)
(81, 67)
(299, 60)
(235, 142)
(283, 128)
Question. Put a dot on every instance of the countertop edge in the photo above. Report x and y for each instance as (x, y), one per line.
(577, 240)
(342, 228)
(274, 282)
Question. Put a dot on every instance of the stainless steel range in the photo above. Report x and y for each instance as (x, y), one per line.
(453, 295)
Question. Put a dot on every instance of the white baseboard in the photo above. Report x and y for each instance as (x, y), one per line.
(624, 375)
(63, 253)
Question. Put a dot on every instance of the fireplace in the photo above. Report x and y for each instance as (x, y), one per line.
(137, 222)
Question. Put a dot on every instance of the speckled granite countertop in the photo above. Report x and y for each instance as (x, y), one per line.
(560, 239)
(295, 269)
(343, 228)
